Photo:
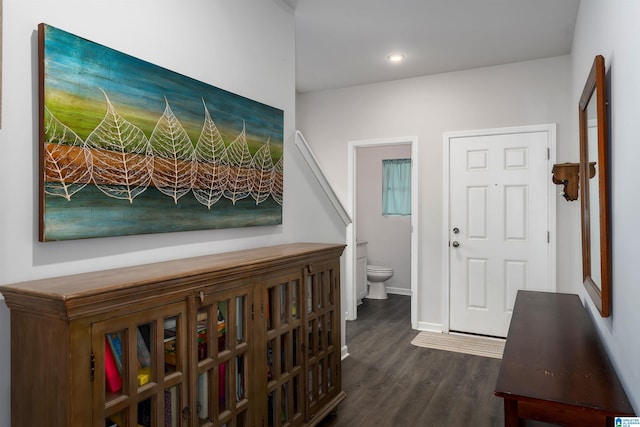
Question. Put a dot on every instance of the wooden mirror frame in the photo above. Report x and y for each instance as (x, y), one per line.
(599, 289)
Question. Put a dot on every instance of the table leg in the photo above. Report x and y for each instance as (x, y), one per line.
(511, 414)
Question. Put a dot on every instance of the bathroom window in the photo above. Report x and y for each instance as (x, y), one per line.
(396, 187)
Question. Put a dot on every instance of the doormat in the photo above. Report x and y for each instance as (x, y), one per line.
(469, 344)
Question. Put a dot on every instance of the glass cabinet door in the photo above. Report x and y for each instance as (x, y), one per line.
(322, 341)
(139, 369)
(284, 370)
(223, 358)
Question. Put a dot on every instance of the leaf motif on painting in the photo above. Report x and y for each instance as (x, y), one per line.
(240, 165)
(262, 174)
(120, 156)
(211, 164)
(66, 170)
(277, 189)
(173, 156)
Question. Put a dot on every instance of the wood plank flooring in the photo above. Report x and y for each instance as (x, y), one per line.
(390, 382)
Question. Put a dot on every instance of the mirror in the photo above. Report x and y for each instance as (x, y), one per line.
(594, 193)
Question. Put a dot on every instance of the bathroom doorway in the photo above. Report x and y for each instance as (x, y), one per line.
(409, 145)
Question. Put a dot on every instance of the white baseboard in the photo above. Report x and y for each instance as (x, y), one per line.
(344, 353)
(430, 327)
(399, 291)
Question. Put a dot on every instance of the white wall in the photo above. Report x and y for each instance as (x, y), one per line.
(244, 47)
(388, 237)
(526, 93)
(610, 28)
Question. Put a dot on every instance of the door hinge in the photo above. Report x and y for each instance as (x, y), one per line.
(251, 311)
(548, 153)
(548, 236)
(92, 366)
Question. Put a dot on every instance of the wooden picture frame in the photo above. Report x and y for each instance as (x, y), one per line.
(594, 188)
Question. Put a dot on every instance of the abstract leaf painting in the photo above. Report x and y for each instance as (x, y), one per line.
(128, 147)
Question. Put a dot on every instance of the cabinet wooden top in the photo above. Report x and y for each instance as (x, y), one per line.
(144, 280)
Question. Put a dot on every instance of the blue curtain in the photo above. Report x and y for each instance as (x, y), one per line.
(396, 187)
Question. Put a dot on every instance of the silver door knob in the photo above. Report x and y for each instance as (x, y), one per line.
(455, 244)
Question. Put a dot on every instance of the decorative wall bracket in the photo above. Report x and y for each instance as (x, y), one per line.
(567, 174)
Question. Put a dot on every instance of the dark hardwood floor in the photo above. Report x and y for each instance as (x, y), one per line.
(390, 382)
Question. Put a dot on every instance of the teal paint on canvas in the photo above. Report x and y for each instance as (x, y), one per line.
(155, 213)
(133, 148)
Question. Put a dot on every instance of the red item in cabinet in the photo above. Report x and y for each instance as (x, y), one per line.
(112, 376)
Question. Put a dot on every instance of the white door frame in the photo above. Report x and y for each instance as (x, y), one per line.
(550, 129)
(350, 253)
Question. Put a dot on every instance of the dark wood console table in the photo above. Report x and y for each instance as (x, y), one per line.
(554, 368)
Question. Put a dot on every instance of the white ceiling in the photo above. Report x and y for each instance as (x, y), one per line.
(345, 42)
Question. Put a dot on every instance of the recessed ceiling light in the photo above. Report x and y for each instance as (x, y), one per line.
(396, 57)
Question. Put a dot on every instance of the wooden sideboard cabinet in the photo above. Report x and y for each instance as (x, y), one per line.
(239, 339)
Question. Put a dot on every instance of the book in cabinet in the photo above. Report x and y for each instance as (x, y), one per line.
(246, 338)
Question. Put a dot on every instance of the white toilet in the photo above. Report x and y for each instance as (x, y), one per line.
(376, 277)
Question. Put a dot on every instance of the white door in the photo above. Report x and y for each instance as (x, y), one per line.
(498, 226)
